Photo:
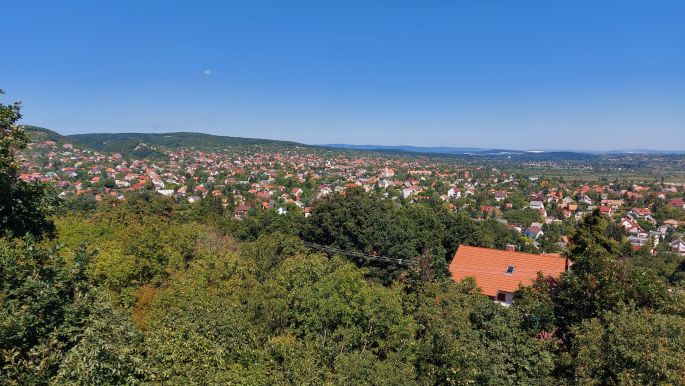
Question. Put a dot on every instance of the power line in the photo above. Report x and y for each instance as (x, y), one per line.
(355, 254)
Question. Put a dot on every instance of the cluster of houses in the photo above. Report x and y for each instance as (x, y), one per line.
(287, 178)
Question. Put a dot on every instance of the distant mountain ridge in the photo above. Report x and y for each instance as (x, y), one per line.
(147, 144)
(476, 151)
(413, 149)
(151, 144)
(41, 134)
(489, 151)
(123, 141)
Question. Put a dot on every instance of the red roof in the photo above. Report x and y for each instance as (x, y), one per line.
(642, 211)
(242, 208)
(676, 202)
(489, 268)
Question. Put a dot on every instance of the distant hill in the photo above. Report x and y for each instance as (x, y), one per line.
(472, 151)
(644, 151)
(495, 152)
(129, 142)
(154, 145)
(151, 144)
(412, 149)
(41, 134)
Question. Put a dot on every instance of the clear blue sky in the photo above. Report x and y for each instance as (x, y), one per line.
(513, 74)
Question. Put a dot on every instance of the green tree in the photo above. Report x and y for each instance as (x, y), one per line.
(354, 221)
(109, 183)
(630, 347)
(448, 349)
(461, 229)
(599, 282)
(44, 303)
(523, 217)
(110, 350)
(514, 357)
(24, 207)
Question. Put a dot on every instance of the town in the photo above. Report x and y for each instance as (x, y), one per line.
(650, 212)
(342, 193)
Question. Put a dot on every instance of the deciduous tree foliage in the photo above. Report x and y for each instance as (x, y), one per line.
(600, 282)
(110, 350)
(24, 207)
(363, 222)
(630, 347)
(271, 311)
(43, 303)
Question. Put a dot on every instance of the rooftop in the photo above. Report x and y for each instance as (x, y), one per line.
(492, 268)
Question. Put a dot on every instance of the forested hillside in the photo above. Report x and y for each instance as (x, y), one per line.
(127, 142)
(41, 134)
(152, 144)
(147, 290)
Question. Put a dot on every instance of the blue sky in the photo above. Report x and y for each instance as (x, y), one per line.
(512, 74)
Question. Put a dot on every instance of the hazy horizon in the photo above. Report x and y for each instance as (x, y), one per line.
(382, 145)
(533, 75)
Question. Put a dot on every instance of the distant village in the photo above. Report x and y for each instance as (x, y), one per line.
(652, 215)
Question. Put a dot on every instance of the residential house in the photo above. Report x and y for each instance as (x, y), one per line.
(538, 205)
(498, 273)
(501, 196)
(677, 203)
(639, 241)
(388, 173)
(533, 232)
(410, 191)
(122, 183)
(613, 204)
(241, 211)
(454, 193)
(678, 246)
(297, 192)
(487, 208)
(606, 210)
(630, 225)
(641, 212)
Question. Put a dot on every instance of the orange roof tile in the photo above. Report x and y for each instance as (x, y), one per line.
(489, 266)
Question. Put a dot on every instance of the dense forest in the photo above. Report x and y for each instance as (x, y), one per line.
(144, 290)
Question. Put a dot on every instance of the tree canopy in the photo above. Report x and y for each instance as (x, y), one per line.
(24, 207)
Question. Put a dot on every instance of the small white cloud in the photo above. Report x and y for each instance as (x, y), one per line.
(207, 72)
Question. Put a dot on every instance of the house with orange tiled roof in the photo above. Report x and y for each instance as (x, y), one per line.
(498, 273)
(607, 210)
(501, 195)
(487, 208)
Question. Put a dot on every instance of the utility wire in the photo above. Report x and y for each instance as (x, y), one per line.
(358, 255)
